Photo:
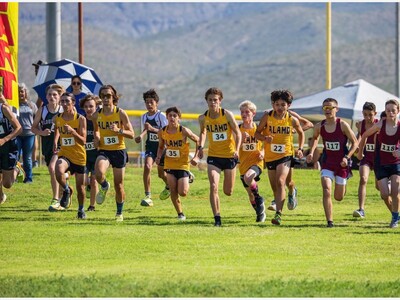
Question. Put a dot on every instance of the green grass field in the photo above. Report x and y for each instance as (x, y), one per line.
(151, 254)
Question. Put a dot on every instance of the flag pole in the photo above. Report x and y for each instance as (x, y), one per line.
(328, 47)
(80, 31)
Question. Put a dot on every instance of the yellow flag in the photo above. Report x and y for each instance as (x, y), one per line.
(9, 52)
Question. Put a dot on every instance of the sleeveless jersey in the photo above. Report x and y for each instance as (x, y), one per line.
(5, 124)
(219, 133)
(91, 151)
(334, 146)
(385, 145)
(369, 149)
(282, 142)
(249, 152)
(110, 140)
(177, 152)
(158, 120)
(70, 148)
(46, 122)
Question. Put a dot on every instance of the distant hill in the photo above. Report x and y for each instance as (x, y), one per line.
(247, 49)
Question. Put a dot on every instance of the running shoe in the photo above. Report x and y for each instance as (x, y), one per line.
(66, 198)
(165, 194)
(181, 217)
(261, 218)
(330, 224)
(3, 199)
(394, 223)
(55, 206)
(119, 218)
(260, 208)
(292, 201)
(272, 206)
(146, 201)
(359, 213)
(191, 177)
(276, 219)
(81, 215)
(101, 195)
(21, 173)
(35, 164)
(91, 208)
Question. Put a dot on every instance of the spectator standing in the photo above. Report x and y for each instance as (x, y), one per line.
(26, 140)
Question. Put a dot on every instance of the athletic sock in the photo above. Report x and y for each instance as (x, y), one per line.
(104, 184)
(395, 215)
(120, 206)
(80, 208)
(147, 194)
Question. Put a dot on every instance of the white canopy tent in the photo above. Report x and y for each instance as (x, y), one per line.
(351, 98)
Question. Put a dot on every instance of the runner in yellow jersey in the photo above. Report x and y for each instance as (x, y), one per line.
(174, 139)
(219, 126)
(70, 129)
(251, 155)
(111, 126)
(275, 129)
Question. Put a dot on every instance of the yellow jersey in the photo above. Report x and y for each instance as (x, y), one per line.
(249, 152)
(177, 150)
(110, 140)
(72, 150)
(282, 142)
(219, 133)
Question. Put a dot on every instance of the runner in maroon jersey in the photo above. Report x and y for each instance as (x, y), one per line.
(367, 163)
(387, 161)
(335, 156)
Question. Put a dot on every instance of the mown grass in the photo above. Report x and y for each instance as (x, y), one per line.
(151, 254)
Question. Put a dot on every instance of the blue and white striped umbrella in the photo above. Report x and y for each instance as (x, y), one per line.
(60, 72)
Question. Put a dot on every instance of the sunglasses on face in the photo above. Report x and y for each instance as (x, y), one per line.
(76, 83)
(66, 101)
(328, 107)
(105, 96)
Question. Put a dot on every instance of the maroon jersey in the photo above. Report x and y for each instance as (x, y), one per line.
(369, 149)
(334, 146)
(386, 145)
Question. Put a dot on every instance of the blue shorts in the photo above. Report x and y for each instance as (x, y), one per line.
(8, 155)
(73, 168)
(177, 173)
(386, 171)
(154, 155)
(222, 163)
(117, 158)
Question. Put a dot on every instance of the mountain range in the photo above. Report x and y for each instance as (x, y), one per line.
(246, 49)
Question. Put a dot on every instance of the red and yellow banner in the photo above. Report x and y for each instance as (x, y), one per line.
(9, 51)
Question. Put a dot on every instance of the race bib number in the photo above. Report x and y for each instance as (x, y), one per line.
(219, 136)
(388, 148)
(277, 148)
(111, 140)
(153, 137)
(249, 147)
(89, 146)
(332, 146)
(173, 153)
(66, 142)
(369, 147)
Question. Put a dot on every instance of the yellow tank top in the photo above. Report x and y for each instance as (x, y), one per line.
(219, 134)
(110, 140)
(177, 152)
(282, 143)
(72, 150)
(249, 152)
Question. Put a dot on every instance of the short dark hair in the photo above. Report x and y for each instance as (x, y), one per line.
(115, 95)
(69, 95)
(173, 109)
(369, 106)
(151, 94)
(284, 95)
(330, 100)
(215, 91)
